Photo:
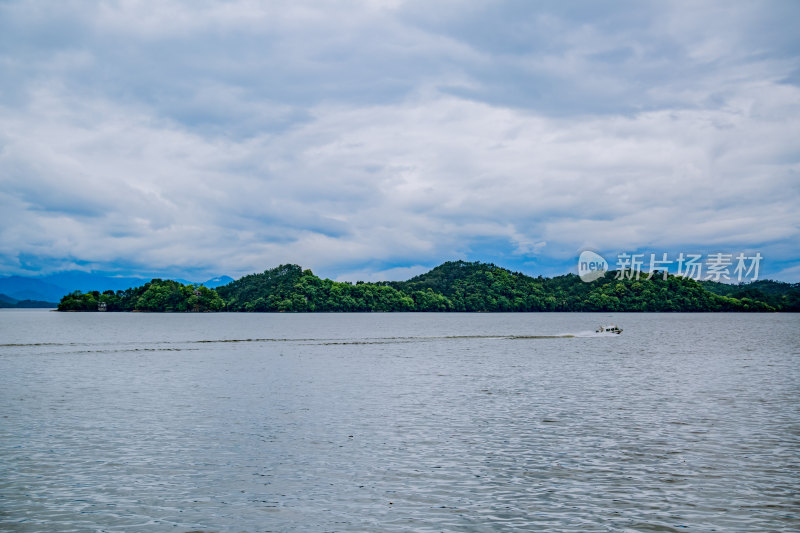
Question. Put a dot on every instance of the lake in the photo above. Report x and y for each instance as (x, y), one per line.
(398, 422)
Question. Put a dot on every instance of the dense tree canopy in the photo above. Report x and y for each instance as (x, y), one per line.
(157, 295)
(777, 294)
(486, 287)
(452, 286)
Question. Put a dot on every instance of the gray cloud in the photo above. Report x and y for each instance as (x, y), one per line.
(371, 140)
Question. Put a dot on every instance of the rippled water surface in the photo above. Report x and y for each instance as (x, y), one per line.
(398, 422)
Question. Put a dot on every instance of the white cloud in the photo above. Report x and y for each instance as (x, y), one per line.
(231, 137)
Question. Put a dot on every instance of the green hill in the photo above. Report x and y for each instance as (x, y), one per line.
(157, 295)
(780, 295)
(487, 287)
(452, 286)
(475, 287)
(290, 288)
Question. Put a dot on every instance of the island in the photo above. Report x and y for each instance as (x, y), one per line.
(455, 286)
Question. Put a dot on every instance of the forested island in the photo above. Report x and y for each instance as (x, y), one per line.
(452, 286)
(158, 296)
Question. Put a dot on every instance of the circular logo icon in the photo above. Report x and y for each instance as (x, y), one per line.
(591, 266)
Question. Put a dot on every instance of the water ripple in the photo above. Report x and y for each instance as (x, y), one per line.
(393, 423)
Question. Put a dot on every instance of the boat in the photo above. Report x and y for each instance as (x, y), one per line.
(610, 329)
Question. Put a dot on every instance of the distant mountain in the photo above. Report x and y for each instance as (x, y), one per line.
(52, 287)
(213, 283)
(9, 302)
(87, 281)
(21, 288)
(5, 299)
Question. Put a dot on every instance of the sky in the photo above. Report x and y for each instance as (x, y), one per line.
(374, 140)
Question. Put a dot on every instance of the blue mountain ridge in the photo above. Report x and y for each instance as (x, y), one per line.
(13, 303)
(4, 298)
(52, 287)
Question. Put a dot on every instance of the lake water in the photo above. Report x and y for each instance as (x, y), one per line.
(398, 422)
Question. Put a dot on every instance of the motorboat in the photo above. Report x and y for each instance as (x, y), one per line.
(611, 329)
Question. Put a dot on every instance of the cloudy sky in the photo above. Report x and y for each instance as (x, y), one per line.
(376, 139)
